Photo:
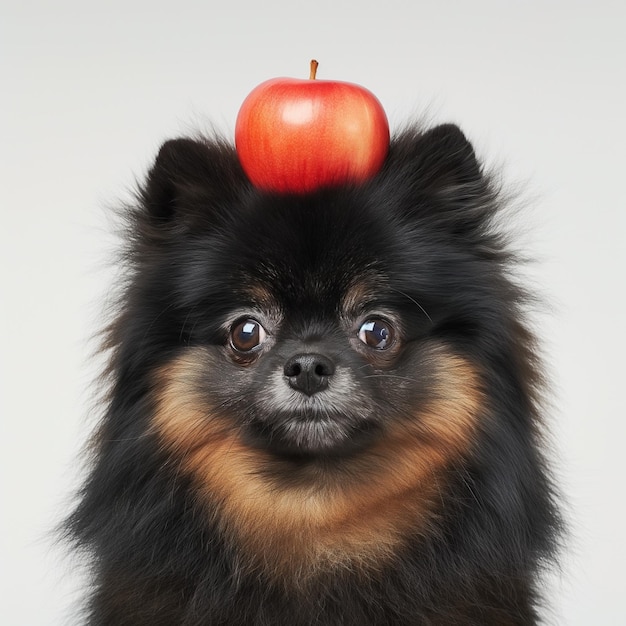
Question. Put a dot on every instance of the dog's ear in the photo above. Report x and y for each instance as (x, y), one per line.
(189, 178)
(441, 180)
(448, 158)
(440, 158)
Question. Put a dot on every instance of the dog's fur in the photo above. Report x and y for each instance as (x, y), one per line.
(407, 487)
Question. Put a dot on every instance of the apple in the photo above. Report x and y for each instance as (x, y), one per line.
(294, 136)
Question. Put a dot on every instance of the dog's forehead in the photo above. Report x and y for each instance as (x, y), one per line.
(327, 254)
(342, 295)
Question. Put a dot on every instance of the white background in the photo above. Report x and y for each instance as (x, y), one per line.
(89, 90)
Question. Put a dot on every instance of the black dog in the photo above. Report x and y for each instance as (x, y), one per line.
(323, 408)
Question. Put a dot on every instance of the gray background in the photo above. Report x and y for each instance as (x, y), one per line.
(89, 91)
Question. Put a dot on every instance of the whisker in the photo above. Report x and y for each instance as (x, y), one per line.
(383, 375)
(416, 303)
(154, 320)
(182, 328)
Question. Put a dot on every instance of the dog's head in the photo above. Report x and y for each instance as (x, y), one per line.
(314, 324)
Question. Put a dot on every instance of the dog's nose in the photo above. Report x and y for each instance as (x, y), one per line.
(309, 372)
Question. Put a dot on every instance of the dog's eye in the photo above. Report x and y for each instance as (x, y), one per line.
(246, 335)
(377, 334)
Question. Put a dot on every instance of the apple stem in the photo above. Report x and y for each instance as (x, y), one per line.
(313, 73)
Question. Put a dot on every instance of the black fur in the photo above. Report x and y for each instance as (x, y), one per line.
(199, 233)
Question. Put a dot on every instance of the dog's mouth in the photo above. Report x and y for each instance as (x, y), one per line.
(310, 432)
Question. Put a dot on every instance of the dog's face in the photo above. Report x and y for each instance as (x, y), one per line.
(316, 323)
(314, 350)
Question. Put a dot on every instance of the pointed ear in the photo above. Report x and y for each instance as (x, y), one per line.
(188, 176)
(449, 157)
(439, 179)
(439, 159)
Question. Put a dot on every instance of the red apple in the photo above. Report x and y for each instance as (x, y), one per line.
(295, 135)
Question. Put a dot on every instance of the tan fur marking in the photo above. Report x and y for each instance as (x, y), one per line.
(260, 294)
(358, 293)
(356, 519)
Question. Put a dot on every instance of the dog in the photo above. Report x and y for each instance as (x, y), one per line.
(323, 408)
